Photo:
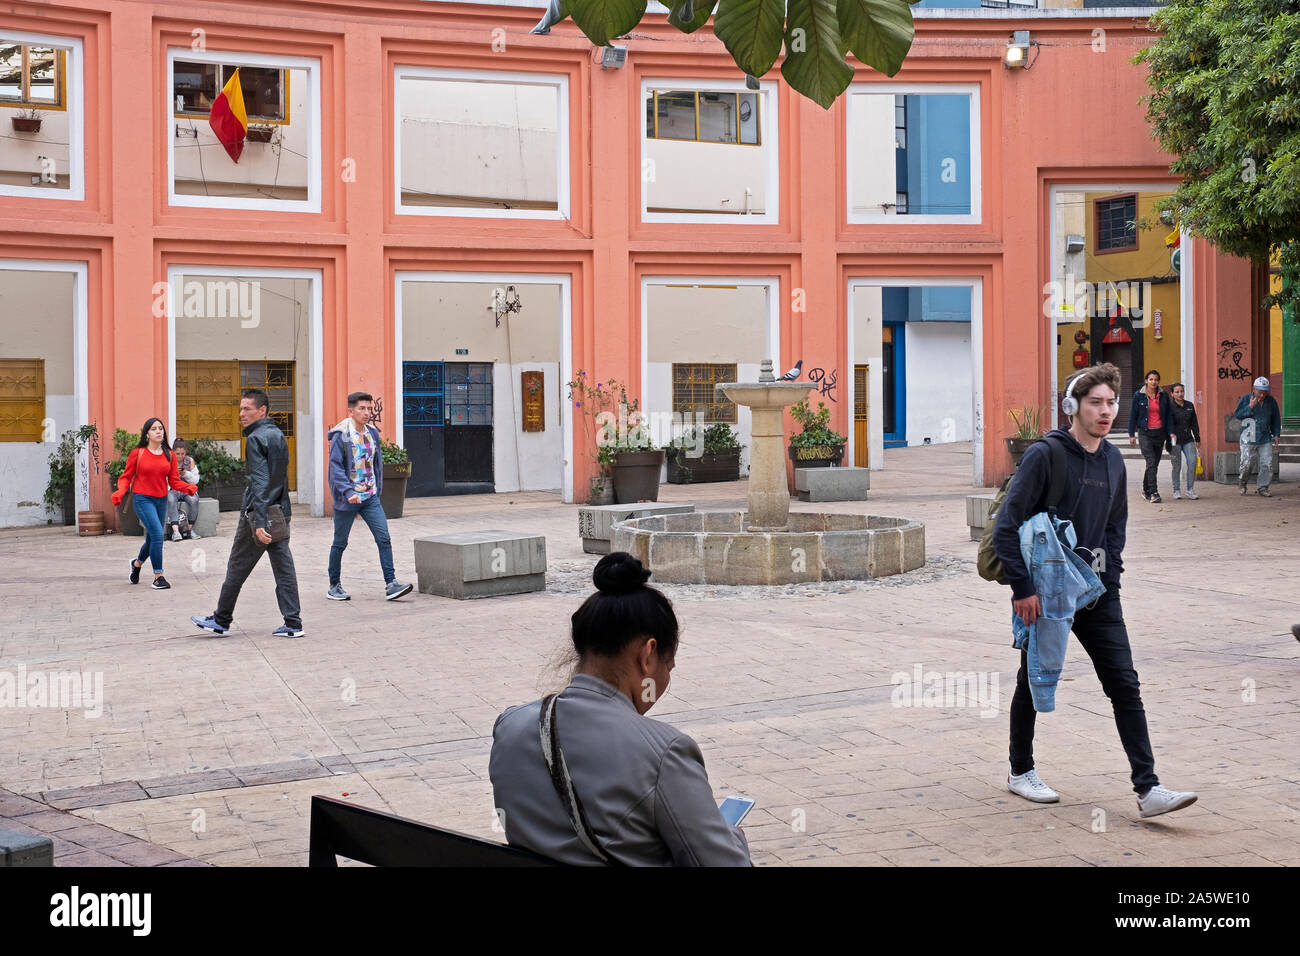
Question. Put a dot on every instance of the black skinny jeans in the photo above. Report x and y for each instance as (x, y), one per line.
(245, 552)
(1104, 636)
(1152, 444)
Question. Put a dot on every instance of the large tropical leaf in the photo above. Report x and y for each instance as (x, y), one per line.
(556, 11)
(603, 20)
(878, 32)
(751, 32)
(814, 62)
(689, 15)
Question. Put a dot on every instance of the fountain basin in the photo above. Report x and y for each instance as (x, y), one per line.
(716, 547)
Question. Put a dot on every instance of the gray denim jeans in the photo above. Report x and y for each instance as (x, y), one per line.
(1249, 453)
(1185, 452)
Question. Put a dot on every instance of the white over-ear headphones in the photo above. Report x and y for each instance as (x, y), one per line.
(1070, 404)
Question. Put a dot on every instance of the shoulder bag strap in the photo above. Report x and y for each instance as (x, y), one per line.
(563, 783)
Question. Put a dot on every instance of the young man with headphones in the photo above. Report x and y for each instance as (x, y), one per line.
(1095, 500)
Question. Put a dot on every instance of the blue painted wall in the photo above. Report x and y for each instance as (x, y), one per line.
(938, 154)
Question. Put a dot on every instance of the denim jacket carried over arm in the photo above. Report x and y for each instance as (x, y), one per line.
(1064, 583)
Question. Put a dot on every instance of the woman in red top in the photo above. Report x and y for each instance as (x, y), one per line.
(153, 468)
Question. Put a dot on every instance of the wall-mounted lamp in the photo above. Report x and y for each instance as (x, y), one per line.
(613, 57)
(1016, 56)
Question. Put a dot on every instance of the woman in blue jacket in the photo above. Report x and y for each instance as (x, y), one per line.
(1148, 421)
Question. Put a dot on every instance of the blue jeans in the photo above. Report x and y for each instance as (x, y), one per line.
(1185, 452)
(372, 513)
(151, 512)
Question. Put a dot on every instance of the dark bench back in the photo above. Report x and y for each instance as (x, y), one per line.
(368, 836)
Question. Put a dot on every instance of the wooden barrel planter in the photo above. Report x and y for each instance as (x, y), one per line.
(90, 524)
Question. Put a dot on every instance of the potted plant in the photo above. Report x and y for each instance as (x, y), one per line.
(221, 474)
(397, 470)
(27, 121)
(1028, 422)
(123, 442)
(589, 403)
(63, 472)
(720, 460)
(817, 446)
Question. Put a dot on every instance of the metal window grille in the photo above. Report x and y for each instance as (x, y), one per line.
(693, 391)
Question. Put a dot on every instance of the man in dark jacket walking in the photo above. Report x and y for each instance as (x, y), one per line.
(1184, 437)
(356, 481)
(1095, 500)
(266, 468)
(1261, 426)
(1148, 425)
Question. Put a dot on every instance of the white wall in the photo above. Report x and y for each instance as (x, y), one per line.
(871, 152)
(440, 317)
(20, 153)
(705, 177)
(940, 388)
(37, 322)
(687, 324)
(260, 165)
(478, 140)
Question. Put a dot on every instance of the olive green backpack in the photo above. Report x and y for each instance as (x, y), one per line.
(988, 563)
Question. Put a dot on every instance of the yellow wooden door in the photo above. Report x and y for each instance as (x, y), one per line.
(860, 441)
(277, 380)
(207, 400)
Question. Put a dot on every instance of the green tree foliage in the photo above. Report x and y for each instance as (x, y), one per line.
(817, 35)
(1226, 103)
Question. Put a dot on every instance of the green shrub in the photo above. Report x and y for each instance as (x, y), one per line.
(215, 464)
(816, 426)
(392, 453)
(63, 464)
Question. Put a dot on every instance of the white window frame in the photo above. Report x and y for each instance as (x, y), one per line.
(876, 380)
(76, 190)
(769, 124)
(976, 165)
(232, 58)
(562, 174)
(310, 443)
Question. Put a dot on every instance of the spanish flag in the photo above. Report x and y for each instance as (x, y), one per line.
(228, 119)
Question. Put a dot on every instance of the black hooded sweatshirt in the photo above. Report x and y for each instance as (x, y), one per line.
(1095, 500)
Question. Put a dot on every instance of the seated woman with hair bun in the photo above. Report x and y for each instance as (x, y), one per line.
(583, 777)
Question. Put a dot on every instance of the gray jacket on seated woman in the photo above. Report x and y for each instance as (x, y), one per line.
(641, 796)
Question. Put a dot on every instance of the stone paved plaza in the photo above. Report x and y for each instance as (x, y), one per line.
(789, 692)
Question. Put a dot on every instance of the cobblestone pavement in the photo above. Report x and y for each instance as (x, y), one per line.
(210, 749)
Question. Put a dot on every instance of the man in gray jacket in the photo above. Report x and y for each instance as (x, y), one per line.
(266, 470)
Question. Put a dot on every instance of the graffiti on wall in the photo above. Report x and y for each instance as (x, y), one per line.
(826, 384)
(1231, 352)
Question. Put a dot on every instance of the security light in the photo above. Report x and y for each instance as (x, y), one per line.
(613, 57)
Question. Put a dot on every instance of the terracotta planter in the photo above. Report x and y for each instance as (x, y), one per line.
(25, 124)
(392, 497)
(817, 456)
(636, 475)
(1017, 448)
(719, 466)
(602, 491)
(90, 524)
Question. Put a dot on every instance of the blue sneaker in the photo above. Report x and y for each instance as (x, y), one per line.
(284, 630)
(208, 624)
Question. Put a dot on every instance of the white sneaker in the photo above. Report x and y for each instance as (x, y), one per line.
(176, 535)
(1192, 495)
(1028, 785)
(1177, 495)
(1160, 800)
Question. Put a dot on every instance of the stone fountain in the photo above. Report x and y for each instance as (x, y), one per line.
(767, 544)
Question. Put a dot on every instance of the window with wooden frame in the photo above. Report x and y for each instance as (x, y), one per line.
(693, 392)
(195, 86)
(22, 399)
(1115, 220)
(703, 116)
(33, 76)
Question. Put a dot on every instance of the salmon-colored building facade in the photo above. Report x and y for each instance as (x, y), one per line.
(336, 249)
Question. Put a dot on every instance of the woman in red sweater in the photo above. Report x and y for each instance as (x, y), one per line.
(153, 468)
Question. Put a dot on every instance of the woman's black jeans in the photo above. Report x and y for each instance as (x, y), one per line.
(1104, 636)
(1152, 444)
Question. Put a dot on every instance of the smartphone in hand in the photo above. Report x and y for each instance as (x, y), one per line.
(734, 809)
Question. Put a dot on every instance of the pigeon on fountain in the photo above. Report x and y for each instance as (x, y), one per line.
(794, 373)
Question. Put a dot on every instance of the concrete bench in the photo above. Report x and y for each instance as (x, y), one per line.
(1227, 467)
(475, 564)
(596, 522)
(832, 484)
(25, 849)
(205, 523)
(977, 513)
